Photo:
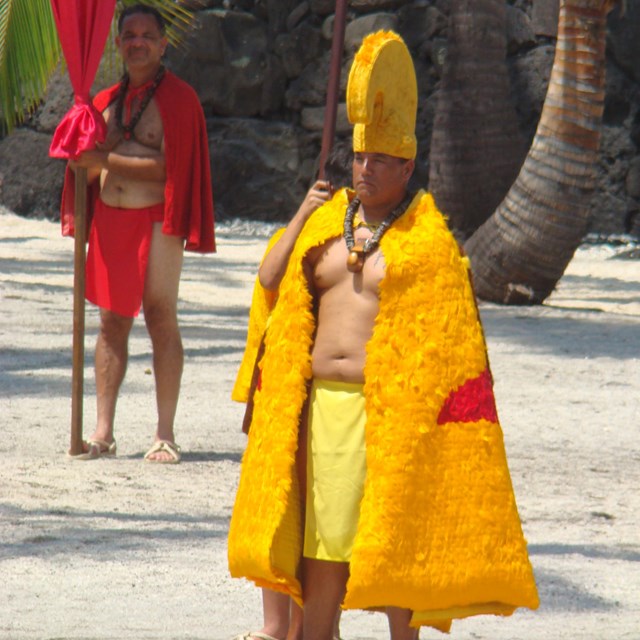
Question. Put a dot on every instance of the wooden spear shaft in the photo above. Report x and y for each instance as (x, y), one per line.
(333, 84)
(77, 378)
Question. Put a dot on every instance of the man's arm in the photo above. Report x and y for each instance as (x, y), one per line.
(152, 168)
(93, 171)
(274, 265)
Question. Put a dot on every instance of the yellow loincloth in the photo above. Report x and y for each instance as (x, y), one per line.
(336, 469)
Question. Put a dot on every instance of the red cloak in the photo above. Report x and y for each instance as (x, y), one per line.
(187, 194)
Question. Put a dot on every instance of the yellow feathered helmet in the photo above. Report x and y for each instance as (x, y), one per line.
(382, 97)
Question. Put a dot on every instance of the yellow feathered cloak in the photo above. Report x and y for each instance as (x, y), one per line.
(439, 531)
(262, 301)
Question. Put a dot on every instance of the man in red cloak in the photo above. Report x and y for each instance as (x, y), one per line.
(149, 199)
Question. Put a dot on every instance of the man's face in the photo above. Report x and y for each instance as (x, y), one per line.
(141, 42)
(379, 178)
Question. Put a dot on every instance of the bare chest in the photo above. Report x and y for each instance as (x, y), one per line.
(329, 267)
(148, 131)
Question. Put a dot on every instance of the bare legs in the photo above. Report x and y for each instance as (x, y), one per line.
(399, 624)
(160, 310)
(160, 302)
(275, 608)
(282, 617)
(295, 622)
(324, 585)
(110, 365)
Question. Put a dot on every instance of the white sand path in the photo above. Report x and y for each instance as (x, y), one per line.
(122, 549)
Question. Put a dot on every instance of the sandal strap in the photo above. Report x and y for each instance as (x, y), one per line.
(103, 445)
(169, 447)
(255, 635)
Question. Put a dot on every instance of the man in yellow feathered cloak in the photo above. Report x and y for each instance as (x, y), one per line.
(375, 375)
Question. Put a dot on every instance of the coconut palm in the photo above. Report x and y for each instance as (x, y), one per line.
(521, 252)
(30, 51)
(476, 146)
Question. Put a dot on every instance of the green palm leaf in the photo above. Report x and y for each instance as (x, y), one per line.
(30, 51)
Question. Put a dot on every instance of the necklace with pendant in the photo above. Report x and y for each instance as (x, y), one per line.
(359, 251)
(127, 129)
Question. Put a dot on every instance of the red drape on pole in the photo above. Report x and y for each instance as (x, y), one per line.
(83, 27)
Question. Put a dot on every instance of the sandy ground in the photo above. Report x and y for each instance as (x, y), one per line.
(122, 549)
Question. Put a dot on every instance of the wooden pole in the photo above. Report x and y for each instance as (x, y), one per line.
(333, 84)
(77, 379)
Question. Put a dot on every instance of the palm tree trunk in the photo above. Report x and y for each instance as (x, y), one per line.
(521, 252)
(476, 146)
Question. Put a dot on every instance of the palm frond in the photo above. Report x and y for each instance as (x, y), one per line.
(4, 22)
(179, 20)
(29, 52)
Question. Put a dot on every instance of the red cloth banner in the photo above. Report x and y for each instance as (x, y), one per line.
(83, 27)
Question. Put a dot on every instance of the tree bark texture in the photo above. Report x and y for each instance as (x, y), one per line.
(476, 146)
(521, 252)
